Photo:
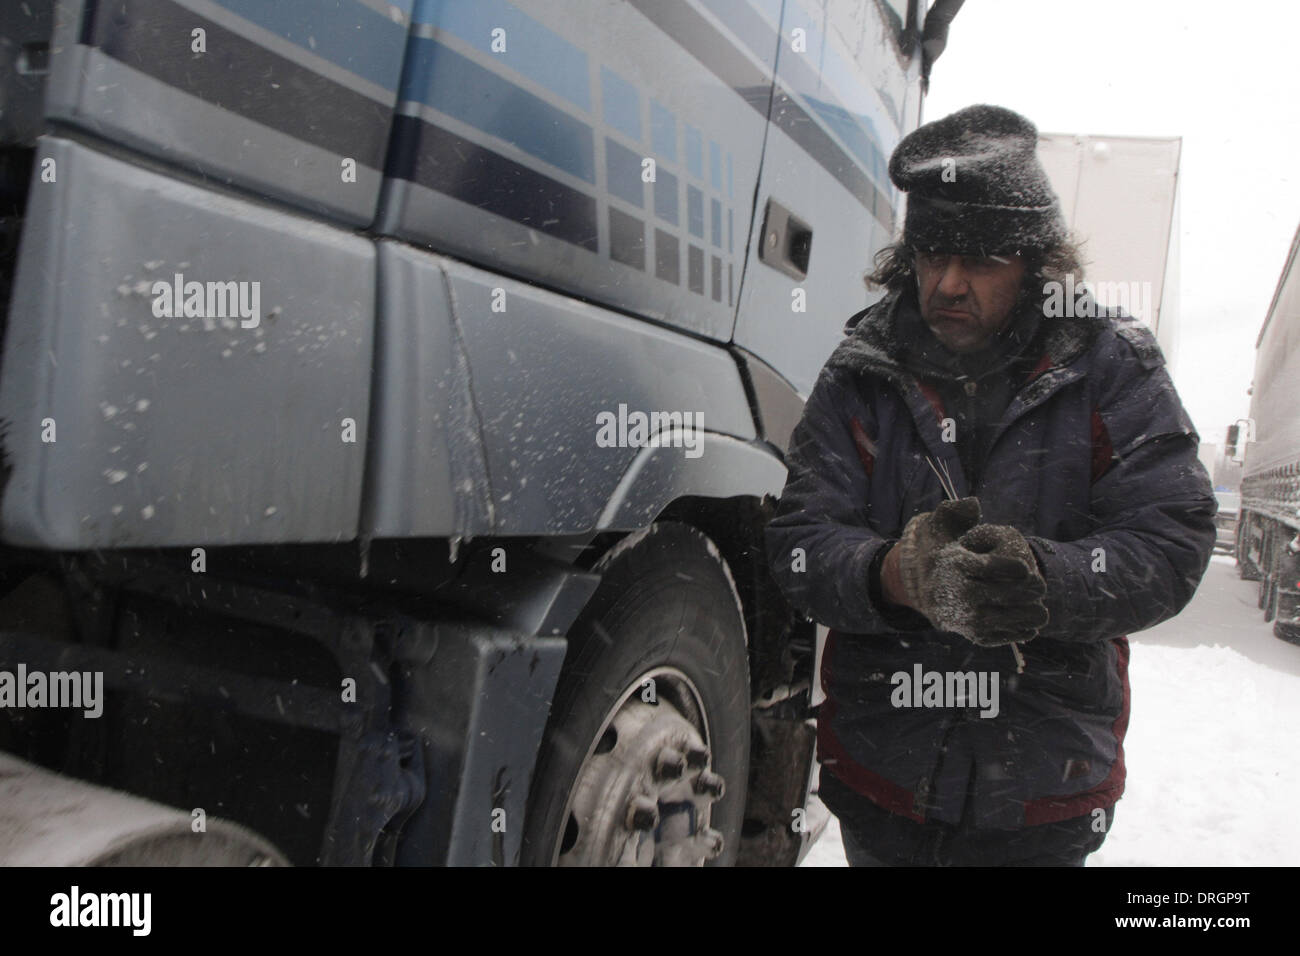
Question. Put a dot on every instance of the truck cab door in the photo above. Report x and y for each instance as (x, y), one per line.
(847, 90)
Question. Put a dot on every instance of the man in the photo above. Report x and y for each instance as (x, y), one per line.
(987, 491)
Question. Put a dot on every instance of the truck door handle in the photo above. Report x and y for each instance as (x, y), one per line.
(787, 241)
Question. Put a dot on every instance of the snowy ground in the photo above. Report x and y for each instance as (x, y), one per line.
(1213, 778)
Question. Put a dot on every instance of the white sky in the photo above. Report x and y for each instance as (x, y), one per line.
(1225, 78)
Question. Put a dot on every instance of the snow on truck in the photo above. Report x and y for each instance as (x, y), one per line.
(1268, 522)
(392, 396)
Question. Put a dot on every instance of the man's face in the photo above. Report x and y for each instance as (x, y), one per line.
(966, 300)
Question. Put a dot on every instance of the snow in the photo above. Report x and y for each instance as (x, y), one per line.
(1211, 775)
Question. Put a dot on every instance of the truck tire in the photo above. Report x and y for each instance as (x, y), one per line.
(1266, 542)
(1270, 559)
(1285, 603)
(645, 756)
(1246, 569)
(1286, 631)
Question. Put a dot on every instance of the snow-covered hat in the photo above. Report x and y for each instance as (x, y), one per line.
(974, 185)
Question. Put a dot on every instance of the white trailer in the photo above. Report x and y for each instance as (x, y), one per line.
(1120, 196)
(1268, 531)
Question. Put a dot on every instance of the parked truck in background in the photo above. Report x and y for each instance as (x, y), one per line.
(393, 393)
(1268, 525)
(1120, 196)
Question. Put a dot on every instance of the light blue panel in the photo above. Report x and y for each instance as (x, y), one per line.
(351, 35)
(532, 50)
(621, 104)
(694, 152)
(663, 131)
(440, 77)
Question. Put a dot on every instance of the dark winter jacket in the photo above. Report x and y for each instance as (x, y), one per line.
(1094, 460)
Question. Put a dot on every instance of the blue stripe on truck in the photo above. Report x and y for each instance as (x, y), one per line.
(437, 158)
(438, 76)
(348, 34)
(532, 50)
(621, 104)
(245, 77)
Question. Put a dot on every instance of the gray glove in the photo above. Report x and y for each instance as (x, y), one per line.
(923, 538)
(977, 580)
(986, 587)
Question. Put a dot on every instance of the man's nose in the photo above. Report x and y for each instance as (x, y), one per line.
(953, 281)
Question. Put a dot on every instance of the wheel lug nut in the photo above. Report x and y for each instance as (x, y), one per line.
(713, 840)
(710, 783)
(642, 813)
(697, 758)
(670, 764)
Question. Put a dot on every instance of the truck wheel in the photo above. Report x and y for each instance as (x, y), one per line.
(645, 758)
(1268, 582)
(1270, 598)
(1287, 631)
(1246, 569)
(1265, 543)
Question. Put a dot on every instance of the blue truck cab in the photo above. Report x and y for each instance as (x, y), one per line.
(392, 395)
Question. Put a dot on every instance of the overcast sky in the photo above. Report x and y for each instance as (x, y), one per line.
(1224, 77)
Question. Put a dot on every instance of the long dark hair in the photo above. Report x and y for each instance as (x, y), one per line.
(895, 268)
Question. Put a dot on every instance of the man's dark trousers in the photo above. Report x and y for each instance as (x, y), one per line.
(875, 837)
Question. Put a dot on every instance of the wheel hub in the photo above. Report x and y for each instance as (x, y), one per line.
(645, 793)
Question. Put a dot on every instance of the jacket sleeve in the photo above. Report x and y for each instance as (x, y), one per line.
(821, 550)
(1152, 510)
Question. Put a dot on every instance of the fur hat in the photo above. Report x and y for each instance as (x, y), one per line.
(974, 185)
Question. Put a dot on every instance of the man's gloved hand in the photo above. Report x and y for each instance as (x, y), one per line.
(980, 581)
(986, 587)
(911, 561)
